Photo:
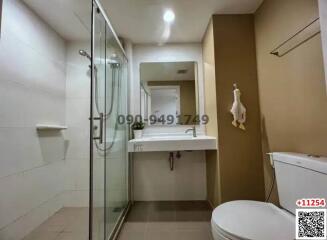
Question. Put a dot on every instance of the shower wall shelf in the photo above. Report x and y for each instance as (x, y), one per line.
(50, 127)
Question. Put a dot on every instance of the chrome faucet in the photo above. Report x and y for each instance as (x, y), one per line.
(191, 129)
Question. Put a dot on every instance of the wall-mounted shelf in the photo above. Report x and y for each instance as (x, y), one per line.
(50, 127)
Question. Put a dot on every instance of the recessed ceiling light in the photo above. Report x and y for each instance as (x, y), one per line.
(169, 16)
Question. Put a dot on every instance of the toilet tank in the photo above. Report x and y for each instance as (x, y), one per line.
(299, 176)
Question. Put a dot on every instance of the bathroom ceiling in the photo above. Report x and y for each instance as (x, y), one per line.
(141, 21)
(71, 19)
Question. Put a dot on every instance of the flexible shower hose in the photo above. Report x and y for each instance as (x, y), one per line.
(107, 115)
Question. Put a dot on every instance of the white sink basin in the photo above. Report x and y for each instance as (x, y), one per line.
(172, 143)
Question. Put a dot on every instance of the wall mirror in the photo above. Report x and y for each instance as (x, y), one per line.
(169, 93)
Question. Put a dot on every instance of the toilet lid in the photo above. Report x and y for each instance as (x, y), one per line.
(253, 220)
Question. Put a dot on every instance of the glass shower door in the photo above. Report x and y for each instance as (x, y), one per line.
(116, 185)
(98, 109)
(109, 158)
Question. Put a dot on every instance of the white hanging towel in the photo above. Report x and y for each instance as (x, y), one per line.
(238, 110)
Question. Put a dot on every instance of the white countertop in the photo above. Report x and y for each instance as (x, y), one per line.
(165, 142)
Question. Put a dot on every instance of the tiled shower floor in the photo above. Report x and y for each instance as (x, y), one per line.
(66, 224)
(187, 220)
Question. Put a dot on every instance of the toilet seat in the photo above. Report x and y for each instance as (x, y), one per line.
(220, 234)
(253, 220)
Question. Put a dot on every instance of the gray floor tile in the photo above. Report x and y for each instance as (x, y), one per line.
(66, 224)
(134, 227)
(42, 235)
(124, 235)
(192, 235)
(159, 235)
(168, 220)
(161, 226)
(72, 236)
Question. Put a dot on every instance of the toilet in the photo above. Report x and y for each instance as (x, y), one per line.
(298, 176)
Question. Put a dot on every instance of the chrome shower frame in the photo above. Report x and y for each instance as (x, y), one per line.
(96, 4)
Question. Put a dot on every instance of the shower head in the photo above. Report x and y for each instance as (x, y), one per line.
(84, 54)
(114, 60)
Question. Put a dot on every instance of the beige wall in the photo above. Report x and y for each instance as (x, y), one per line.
(238, 172)
(240, 156)
(292, 88)
(323, 24)
(213, 180)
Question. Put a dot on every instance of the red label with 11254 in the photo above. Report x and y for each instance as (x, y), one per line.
(311, 202)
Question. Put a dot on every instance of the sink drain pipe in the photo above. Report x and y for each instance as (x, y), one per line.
(171, 161)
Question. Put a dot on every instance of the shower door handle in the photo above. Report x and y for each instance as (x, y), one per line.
(100, 137)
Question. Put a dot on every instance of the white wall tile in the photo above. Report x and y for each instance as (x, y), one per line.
(31, 30)
(78, 84)
(76, 198)
(78, 112)
(21, 105)
(77, 142)
(27, 223)
(29, 67)
(78, 71)
(23, 192)
(32, 90)
(24, 149)
(76, 174)
(13, 103)
(77, 118)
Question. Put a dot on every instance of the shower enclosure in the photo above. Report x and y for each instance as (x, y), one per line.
(108, 142)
